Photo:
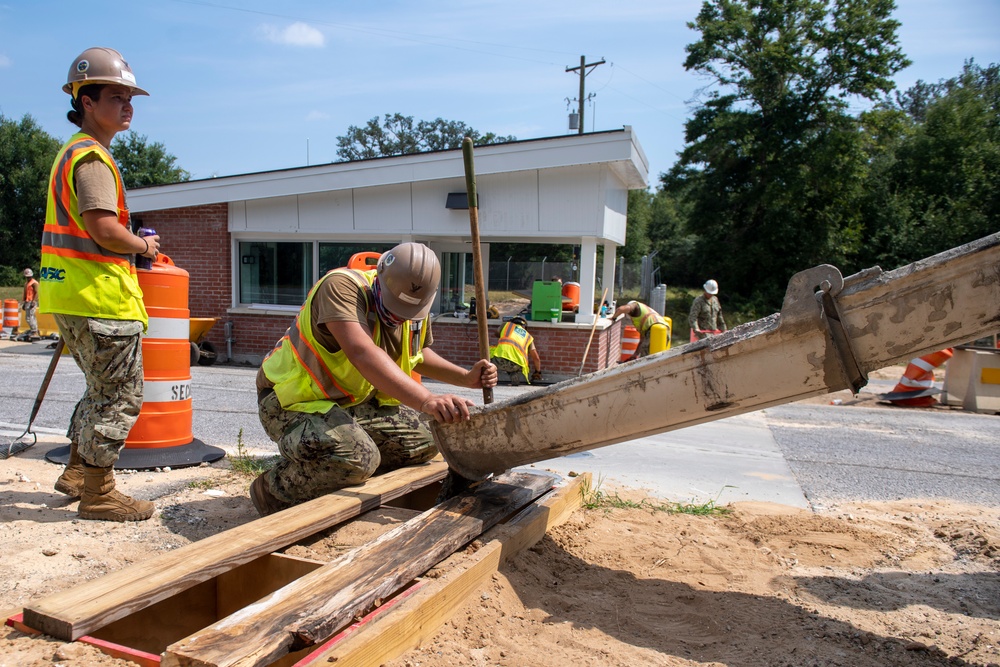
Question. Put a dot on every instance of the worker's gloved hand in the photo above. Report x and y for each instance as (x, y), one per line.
(536, 376)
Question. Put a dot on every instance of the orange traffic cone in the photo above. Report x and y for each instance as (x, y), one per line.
(916, 387)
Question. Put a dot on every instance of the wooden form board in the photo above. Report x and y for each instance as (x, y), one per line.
(312, 608)
(418, 618)
(83, 609)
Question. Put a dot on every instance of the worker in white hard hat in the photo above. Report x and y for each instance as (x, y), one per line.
(88, 282)
(705, 317)
(337, 392)
(29, 304)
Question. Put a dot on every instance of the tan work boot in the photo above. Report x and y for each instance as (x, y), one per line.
(263, 501)
(70, 481)
(101, 502)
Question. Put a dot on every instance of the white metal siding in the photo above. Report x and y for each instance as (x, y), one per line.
(386, 208)
(569, 201)
(327, 212)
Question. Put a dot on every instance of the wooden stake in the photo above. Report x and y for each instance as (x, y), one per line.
(592, 329)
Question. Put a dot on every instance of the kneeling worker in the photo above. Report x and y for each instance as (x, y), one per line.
(644, 319)
(336, 393)
(516, 346)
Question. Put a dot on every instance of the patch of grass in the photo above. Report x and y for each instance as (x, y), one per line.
(594, 498)
(201, 484)
(243, 463)
(12, 292)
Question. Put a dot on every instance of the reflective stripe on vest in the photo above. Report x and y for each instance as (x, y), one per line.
(309, 378)
(78, 276)
(647, 318)
(515, 341)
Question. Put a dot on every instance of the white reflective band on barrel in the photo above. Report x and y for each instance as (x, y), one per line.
(166, 391)
(169, 327)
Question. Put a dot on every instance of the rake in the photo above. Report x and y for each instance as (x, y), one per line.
(19, 444)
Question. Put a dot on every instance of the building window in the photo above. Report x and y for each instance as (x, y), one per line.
(275, 273)
(337, 255)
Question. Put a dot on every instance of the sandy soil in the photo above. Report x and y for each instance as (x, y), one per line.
(912, 582)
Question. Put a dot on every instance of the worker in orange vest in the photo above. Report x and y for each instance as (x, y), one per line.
(29, 303)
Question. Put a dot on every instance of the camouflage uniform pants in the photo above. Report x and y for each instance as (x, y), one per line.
(513, 369)
(344, 447)
(109, 352)
(31, 316)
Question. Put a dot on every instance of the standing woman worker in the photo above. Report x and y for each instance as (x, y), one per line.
(88, 282)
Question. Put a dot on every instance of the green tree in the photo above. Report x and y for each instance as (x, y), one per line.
(935, 185)
(26, 156)
(773, 164)
(397, 134)
(143, 164)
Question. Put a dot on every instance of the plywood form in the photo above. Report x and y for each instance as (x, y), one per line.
(83, 609)
(312, 608)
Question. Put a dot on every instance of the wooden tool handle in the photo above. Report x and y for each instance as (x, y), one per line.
(477, 260)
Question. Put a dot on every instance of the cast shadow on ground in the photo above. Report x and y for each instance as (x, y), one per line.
(36, 506)
(976, 594)
(677, 619)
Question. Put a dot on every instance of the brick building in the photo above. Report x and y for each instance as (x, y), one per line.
(253, 244)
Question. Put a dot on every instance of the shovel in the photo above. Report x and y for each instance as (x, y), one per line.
(19, 444)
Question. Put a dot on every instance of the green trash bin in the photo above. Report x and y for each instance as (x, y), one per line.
(546, 300)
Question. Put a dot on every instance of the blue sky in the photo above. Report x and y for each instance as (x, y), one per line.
(260, 85)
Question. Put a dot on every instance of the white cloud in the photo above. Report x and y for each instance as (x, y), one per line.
(317, 115)
(297, 34)
(5, 62)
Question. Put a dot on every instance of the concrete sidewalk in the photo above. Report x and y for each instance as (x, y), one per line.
(728, 460)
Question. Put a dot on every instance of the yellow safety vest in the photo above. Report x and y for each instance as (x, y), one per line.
(78, 276)
(647, 318)
(515, 341)
(309, 378)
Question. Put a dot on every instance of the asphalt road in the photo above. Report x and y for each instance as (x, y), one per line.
(798, 454)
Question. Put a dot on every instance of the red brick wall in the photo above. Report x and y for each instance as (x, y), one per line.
(197, 240)
(561, 349)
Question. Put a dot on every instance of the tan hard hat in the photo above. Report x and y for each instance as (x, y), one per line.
(28, 273)
(409, 275)
(100, 64)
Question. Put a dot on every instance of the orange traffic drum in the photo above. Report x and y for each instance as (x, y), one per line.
(630, 342)
(10, 317)
(165, 419)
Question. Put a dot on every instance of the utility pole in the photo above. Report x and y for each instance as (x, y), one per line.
(583, 74)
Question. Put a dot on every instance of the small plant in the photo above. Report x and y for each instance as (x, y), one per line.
(246, 464)
(201, 484)
(594, 498)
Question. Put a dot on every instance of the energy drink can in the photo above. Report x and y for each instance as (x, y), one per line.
(140, 261)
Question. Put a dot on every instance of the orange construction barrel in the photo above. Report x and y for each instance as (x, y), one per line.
(165, 419)
(630, 342)
(162, 435)
(363, 261)
(10, 317)
(571, 292)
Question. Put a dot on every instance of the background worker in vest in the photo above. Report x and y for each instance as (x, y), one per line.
(515, 348)
(337, 393)
(88, 281)
(705, 317)
(29, 303)
(644, 319)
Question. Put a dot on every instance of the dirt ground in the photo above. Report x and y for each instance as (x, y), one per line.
(913, 582)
